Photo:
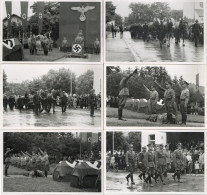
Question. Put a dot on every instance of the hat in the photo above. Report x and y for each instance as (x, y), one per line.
(196, 20)
(179, 144)
(161, 145)
(144, 147)
(167, 145)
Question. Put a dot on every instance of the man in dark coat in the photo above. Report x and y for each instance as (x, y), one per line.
(92, 102)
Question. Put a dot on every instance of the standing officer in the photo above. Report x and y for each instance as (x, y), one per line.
(92, 102)
(11, 102)
(141, 163)
(64, 101)
(167, 153)
(150, 164)
(124, 93)
(184, 98)
(161, 162)
(5, 102)
(153, 99)
(130, 163)
(178, 161)
(7, 157)
(196, 32)
(36, 101)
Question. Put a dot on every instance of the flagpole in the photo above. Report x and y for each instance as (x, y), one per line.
(113, 143)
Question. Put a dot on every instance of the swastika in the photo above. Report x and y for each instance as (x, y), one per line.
(77, 48)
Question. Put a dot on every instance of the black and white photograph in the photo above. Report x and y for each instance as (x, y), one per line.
(161, 96)
(68, 31)
(154, 161)
(155, 31)
(52, 162)
(52, 96)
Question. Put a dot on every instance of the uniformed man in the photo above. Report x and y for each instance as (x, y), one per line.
(7, 161)
(161, 163)
(20, 102)
(130, 163)
(169, 97)
(92, 102)
(11, 102)
(184, 98)
(178, 161)
(64, 101)
(5, 102)
(167, 153)
(36, 101)
(196, 31)
(141, 163)
(124, 93)
(150, 164)
(153, 99)
(43, 100)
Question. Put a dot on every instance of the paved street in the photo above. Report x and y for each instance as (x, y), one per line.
(71, 118)
(151, 51)
(116, 182)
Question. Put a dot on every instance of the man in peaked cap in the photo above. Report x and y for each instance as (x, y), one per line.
(141, 163)
(184, 98)
(131, 163)
(124, 93)
(161, 162)
(178, 161)
(150, 164)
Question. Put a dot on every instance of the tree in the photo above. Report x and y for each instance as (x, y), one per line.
(110, 11)
(85, 83)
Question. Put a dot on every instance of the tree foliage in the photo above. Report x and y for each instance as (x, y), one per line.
(110, 11)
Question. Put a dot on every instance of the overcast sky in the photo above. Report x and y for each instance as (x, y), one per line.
(187, 71)
(122, 6)
(18, 73)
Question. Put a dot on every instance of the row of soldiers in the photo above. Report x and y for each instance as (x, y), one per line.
(169, 98)
(161, 29)
(43, 100)
(37, 161)
(156, 163)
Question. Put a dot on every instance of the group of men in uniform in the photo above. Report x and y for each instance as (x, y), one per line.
(155, 163)
(45, 101)
(37, 162)
(169, 98)
(166, 28)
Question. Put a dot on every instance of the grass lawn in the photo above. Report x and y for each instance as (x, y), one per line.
(19, 183)
(139, 119)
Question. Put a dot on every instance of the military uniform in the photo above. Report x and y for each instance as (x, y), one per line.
(5, 102)
(7, 161)
(36, 101)
(169, 96)
(150, 165)
(178, 163)
(43, 100)
(64, 101)
(145, 32)
(141, 164)
(184, 98)
(11, 102)
(92, 103)
(196, 31)
(131, 163)
(161, 163)
(123, 94)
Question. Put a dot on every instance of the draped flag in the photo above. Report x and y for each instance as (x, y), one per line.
(40, 11)
(89, 142)
(9, 12)
(24, 14)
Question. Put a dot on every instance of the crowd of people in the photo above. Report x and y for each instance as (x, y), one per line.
(158, 162)
(46, 100)
(163, 30)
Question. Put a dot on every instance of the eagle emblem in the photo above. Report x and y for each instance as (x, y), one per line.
(82, 10)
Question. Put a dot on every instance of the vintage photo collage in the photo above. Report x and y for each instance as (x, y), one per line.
(103, 97)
